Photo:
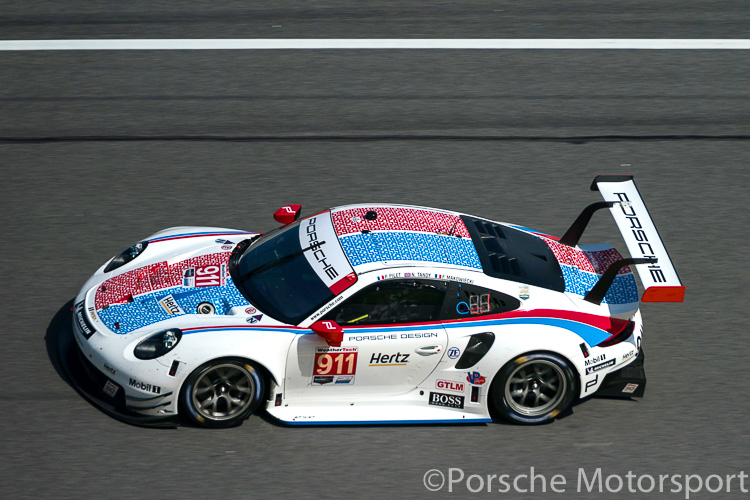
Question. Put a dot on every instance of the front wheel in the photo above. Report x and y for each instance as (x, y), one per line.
(221, 393)
(533, 389)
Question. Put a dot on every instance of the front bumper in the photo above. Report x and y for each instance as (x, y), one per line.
(100, 390)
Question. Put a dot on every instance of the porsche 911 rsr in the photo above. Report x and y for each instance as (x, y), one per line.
(371, 314)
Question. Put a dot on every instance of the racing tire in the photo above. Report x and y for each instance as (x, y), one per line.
(533, 388)
(221, 393)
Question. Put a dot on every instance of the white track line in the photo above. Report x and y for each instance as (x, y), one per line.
(378, 43)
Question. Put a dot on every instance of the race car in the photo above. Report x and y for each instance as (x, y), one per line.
(370, 314)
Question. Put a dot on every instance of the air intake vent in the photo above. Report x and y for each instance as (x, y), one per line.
(475, 350)
(514, 255)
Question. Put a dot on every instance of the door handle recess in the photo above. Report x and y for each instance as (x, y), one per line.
(428, 350)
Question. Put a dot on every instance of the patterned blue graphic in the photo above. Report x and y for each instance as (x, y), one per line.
(624, 289)
(424, 247)
(145, 309)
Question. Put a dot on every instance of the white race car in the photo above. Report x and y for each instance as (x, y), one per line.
(370, 314)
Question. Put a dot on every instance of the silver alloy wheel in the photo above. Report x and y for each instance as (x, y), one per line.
(223, 391)
(535, 387)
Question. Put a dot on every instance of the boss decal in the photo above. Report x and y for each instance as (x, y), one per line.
(448, 400)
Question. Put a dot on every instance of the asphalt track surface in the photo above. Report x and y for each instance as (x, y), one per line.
(99, 149)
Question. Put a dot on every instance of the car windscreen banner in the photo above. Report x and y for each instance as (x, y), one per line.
(639, 232)
(324, 253)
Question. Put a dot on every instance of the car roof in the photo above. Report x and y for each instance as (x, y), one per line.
(402, 235)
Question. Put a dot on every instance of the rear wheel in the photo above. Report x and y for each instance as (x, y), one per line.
(534, 388)
(221, 393)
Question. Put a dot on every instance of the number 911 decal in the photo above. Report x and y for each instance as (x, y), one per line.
(334, 365)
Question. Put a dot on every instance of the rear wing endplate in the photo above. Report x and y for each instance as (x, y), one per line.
(649, 255)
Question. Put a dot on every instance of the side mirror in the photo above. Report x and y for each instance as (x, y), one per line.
(330, 331)
(288, 214)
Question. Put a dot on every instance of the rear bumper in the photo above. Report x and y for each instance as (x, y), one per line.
(627, 382)
(90, 383)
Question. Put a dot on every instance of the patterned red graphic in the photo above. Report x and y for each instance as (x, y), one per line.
(153, 277)
(398, 219)
(594, 262)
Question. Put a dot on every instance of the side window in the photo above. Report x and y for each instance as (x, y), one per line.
(465, 301)
(391, 302)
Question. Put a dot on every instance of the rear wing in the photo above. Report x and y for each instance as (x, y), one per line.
(648, 253)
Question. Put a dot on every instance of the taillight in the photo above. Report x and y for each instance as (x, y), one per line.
(621, 336)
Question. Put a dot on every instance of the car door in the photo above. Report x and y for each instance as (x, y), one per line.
(392, 342)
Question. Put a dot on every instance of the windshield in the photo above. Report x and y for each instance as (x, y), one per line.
(275, 275)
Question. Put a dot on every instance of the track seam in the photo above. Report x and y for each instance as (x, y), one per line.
(582, 139)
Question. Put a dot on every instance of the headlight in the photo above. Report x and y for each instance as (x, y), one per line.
(126, 256)
(158, 344)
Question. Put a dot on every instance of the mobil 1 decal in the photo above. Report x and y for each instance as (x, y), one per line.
(334, 366)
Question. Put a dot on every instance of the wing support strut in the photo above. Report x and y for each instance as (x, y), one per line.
(597, 293)
(575, 231)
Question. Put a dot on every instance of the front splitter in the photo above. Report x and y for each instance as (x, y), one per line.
(89, 383)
